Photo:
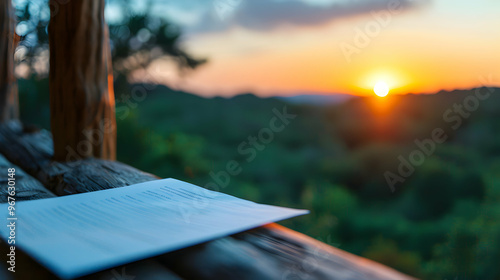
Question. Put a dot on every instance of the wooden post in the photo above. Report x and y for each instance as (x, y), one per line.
(9, 107)
(81, 93)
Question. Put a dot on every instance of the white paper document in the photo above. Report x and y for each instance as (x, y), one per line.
(81, 234)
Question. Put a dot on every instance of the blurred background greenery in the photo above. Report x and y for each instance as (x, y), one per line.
(442, 222)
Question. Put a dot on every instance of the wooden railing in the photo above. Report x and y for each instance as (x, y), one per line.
(53, 165)
(268, 252)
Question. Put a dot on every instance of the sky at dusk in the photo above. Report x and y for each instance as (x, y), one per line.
(331, 46)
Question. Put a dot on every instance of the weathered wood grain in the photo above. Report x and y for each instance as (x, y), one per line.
(273, 252)
(141, 270)
(268, 252)
(307, 258)
(9, 107)
(82, 105)
(32, 150)
(26, 187)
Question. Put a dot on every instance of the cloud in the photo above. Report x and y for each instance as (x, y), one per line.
(269, 14)
(263, 14)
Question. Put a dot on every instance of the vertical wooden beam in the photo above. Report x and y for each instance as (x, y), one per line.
(9, 107)
(81, 93)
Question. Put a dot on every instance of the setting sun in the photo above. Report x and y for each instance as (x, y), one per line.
(381, 89)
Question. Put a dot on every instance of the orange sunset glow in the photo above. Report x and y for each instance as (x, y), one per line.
(311, 139)
(436, 45)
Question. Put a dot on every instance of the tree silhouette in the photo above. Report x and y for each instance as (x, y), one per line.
(138, 35)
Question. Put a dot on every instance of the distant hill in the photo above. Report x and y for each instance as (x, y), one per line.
(332, 159)
(317, 99)
(299, 99)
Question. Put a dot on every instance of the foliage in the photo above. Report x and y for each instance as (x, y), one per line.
(442, 222)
